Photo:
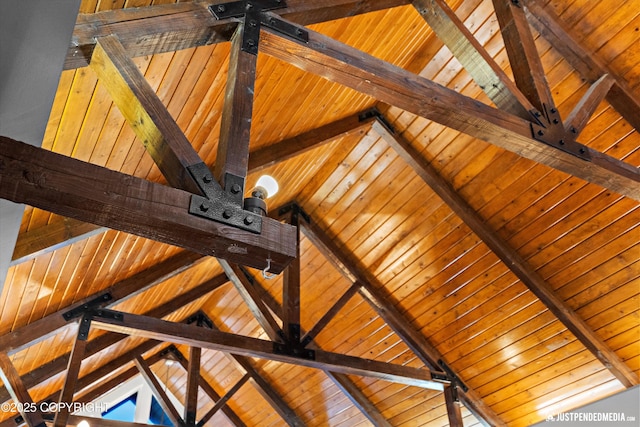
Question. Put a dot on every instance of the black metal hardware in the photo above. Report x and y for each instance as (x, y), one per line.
(89, 305)
(455, 381)
(294, 347)
(219, 205)
(552, 132)
(236, 9)
(296, 32)
(84, 327)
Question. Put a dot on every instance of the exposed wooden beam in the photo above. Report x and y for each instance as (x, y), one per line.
(149, 118)
(620, 96)
(148, 327)
(158, 391)
(41, 329)
(209, 390)
(343, 64)
(223, 400)
(523, 56)
(453, 408)
(330, 314)
(382, 304)
(474, 58)
(359, 399)
(291, 289)
(19, 393)
(249, 295)
(73, 372)
(164, 28)
(193, 380)
(102, 342)
(56, 183)
(235, 127)
(356, 124)
(582, 112)
(510, 258)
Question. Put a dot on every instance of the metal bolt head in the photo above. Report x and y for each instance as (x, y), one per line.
(562, 142)
(235, 188)
(204, 207)
(226, 214)
(207, 178)
(248, 220)
(221, 8)
(540, 133)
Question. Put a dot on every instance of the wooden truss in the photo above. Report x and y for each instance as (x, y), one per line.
(525, 122)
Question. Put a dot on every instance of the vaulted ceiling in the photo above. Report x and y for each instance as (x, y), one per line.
(455, 241)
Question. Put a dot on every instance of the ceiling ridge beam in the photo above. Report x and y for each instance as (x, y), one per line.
(511, 259)
(549, 25)
(102, 342)
(346, 263)
(340, 63)
(474, 58)
(163, 28)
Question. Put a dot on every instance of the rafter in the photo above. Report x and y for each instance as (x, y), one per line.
(158, 391)
(474, 58)
(19, 393)
(523, 56)
(510, 257)
(343, 64)
(591, 68)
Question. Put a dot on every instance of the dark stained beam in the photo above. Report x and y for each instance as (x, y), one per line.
(453, 407)
(536, 284)
(209, 390)
(146, 114)
(550, 26)
(193, 380)
(291, 289)
(330, 314)
(582, 112)
(102, 342)
(19, 393)
(249, 295)
(158, 391)
(56, 183)
(523, 55)
(235, 124)
(382, 304)
(223, 400)
(343, 64)
(164, 28)
(153, 328)
(359, 399)
(73, 372)
(41, 329)
(474, 58)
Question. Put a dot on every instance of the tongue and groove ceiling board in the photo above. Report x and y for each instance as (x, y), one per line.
(446, 232)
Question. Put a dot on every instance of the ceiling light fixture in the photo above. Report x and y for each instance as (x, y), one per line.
(266, 187)
(84, 423)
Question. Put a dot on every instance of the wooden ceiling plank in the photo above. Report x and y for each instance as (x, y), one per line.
(343, 64)
(100, 343)
(164, 28)
(582, 112)
(158, 391)
(193, 380)
(19, 393)
(43, 328)
(359, 399)
(474, 58)
(223, 400)
(235, 127)
(209, 390)
(145, 326)
(145, 112)
(134, 205)
(523, 56)
(550, 26)
(253, 300)
(510, 258)
(394, 319)
(73, 371)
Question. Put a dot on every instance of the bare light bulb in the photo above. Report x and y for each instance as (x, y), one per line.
(269, 184)
(84, 423)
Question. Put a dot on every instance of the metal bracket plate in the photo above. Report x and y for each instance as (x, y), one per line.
(452, 376)
(295, 348)
(559, 139)
(294, 31)
(89, 305)
(235, 9)
(219, 205)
